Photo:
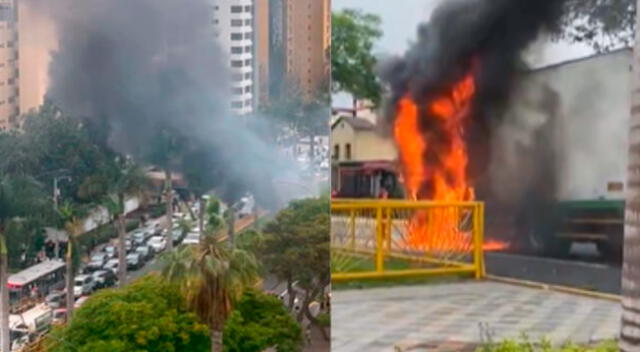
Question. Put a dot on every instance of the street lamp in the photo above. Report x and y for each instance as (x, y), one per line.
(56, 194)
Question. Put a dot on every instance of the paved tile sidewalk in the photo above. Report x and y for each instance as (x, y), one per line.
(462, 313)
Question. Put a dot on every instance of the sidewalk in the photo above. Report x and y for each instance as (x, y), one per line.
(462, 314)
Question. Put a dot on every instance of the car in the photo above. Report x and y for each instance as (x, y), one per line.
(112, 251)
(80, 301)
(192, 238)
(59, 316)
(56, 299)
(83, 285)
(138, 237)
(176, 236)
(146, 252)
(104, 278)
(134, 261)
(158, 243)
(128, 246)
(97, 261)
(112, 265)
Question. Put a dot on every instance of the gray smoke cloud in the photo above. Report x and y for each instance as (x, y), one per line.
(146, 72)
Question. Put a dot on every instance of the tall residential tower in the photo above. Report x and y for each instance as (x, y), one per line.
(9, 69)
(233, 22)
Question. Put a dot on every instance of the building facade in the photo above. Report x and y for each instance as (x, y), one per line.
(9, 66)
(299, 47)
(234, 30)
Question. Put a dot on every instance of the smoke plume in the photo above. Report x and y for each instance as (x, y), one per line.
(481, 37)
(150, 74)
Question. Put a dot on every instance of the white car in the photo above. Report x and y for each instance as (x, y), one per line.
(192, 238)
(112, 265)
(158, 243)
(83, 285)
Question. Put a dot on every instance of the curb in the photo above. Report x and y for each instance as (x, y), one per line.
(556, 288)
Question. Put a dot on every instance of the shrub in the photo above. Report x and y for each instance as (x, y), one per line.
(524, 345)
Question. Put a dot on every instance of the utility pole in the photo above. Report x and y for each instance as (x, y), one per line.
(56, 194)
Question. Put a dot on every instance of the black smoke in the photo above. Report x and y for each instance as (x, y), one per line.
(151, 73)
(484, 37)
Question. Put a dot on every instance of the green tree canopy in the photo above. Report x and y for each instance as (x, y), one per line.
(260, 321)
(353, 64)
(148, 315)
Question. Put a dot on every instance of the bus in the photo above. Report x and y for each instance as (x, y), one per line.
(44, 277)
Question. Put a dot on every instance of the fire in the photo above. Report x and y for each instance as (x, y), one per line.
(434, 166)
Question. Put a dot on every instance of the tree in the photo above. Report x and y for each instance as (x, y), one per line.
(601, 24)
(128, 180)
(296, 249)
(630, 327)
(73, 225)
(147, 315)
(21, 199)
(211, 275)
(353, 64)
(260, 321)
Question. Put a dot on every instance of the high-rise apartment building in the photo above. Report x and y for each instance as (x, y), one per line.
(233, 22)
(9, 69)
(299, 47)
(308, 36)
(261, 50)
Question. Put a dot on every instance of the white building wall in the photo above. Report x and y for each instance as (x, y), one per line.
(9, 69)
(233, 21)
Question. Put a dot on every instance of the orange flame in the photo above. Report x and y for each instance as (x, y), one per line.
(434, 166)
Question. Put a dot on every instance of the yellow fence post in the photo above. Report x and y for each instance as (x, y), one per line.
(482, 264)
(379, 240)
(477, 241)
(388, 229)
(352, 228)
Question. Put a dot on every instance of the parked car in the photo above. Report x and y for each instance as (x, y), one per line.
(134, 261)
(128, 246)
(97, 261)
(138, 237)
(112, 265)
(59, 316)
(146, 252)
(158, 243)
(104, 278)
(192, 238)
(80, 301)
(56, 299)
(176, 236)
(111, 251)
(83, 285)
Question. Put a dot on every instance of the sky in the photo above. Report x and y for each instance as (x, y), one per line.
(400, 19)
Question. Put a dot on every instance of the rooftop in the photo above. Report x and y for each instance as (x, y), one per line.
(31, 273)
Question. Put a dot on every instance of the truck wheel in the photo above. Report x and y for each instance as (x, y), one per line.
(542, 238)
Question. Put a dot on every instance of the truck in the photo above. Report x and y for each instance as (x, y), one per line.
(561, 151)
(29, 326)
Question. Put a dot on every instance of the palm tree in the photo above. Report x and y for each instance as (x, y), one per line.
(20, 198)
(74, 227)
(129, 180)
(630, 328)
(211, 276)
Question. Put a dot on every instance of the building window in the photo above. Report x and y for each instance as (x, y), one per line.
(347, 151)
(248, 75)
(247, 22)
(216, 7)
(236, 63)
(248, 102)
(247, 35)
(247, 49)
(236, 36)
(236, 23)
(236, 50)
(248, 62)
(247, 8)
(236, 9)
(237, 91)
(236, 105)
(247, 89)
(236, 77)
(336, 152)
